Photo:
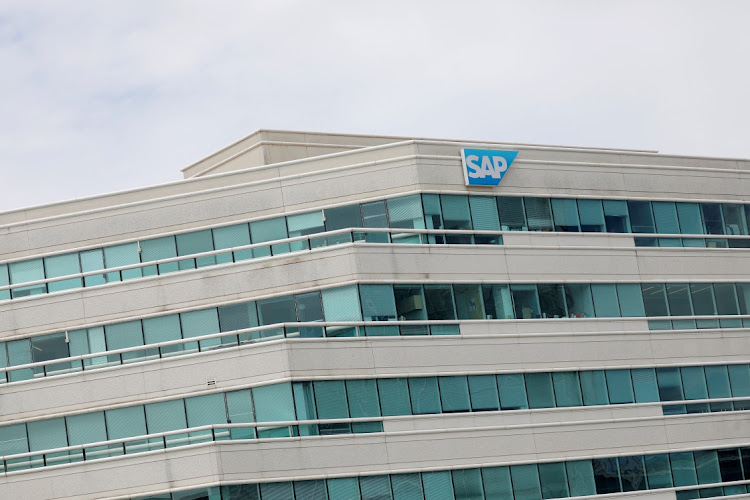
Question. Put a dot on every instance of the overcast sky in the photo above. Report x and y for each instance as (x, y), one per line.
(100, 96)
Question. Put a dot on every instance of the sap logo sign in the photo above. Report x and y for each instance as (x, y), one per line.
(485, 167)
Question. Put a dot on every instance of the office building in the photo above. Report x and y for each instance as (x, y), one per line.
(325, 316)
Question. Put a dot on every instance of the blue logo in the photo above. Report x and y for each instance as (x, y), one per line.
(485, 167)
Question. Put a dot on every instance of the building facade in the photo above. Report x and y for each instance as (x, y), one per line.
(323, 316)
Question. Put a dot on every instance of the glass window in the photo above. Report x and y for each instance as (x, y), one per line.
(606, 475)
(165, 416)
(743, 297)
(552, 301)
(406, 486)
(712, 220)
(726, 298)
(433, 215)
(87, 341)
(565, 211)
(92, 260)
(273, 402)
(195, 242)
(707, 466)
(269, 230)
(439, 300)
(631, 300)
(4, 281)
(205, 410)
(237, 316)
(670, 384)
(497, 301)
(616, 216)
(126, 422)
(580, 477)
(734, 219)
(162, 329)
(374, 214)
(277, 310)
(484, 213)
(122, 335)
(729, 464)
(567, 389)
(242, 492)
(525, 479)
(22, 272)
(425, 397)
(239, 407)
(606, 303)
(554, 480)
(48, 347)
(201, 322)
(654, 299)
(47, 434)
(237, 235)
(717, 378)
(525, 301)
(665, 216)
(467, 484)
(739, 376)
(512, 388)
(539, 390)
(276, 491)
(374, 487)
(620, 387)
(454, 394)
(579, 301)
(644, 385)
(641, 217)
(330, 401)
(409, 302)
(497, 482)
(159, 248)
(363, 398)
(13, 439)
(538, 213)
(309, 307)
(342, 217)
(344, 488)
(683, 469)
(62, 265)
(469, 301)
(703, 303)
(437, 485)
(406, 212)
(394, 396)
(378, 303)
(456, 213)
(483, 391)
(86, 428)
(123, 255)
(694, 382)
(312, 490)
(678, 295)
(632, 473)
(512, 213)
(659, 471)
(341, 304)
(690, 218)
(594, 387)
(592, 216)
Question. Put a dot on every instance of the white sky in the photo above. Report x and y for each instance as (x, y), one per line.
(99, 96)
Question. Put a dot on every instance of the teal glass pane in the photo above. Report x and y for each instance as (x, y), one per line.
(126, 422)
(341, 303)
(198, 323)
(616, 216)
(4, 281)
(237, 235)
(277, 491)
(567, 389)
(330, 399)
(199, 494)
(363, 398)
(303, 225)
(425, 397)
(239, 407)
(644, 385)
(665, 217)
(579, 300)
(512, 390)
(734, 219)
(438, 485)
(93, 260)
(512, 213)
(159, 248)
(410, 304)
(641, 216)
(86, 428)
(658, 471)
(678, 295)
(703, 299)
(62, 265)
(88, 341)
(606, 303)
(312, 490)
(273, 402)
(406, 212)
(525, 301)
(277, 310)
(707, 466)
(195, 242)
(739, 376)
(407, 487)
(484, 213)
(374, 214)
(165, 416)
(683, 469)
(730, 465)
(554, 480)
(538, 214)
(525, 482)
(620, 386)
(632, 473)
(374, 487)
(539, 390)
(565, 211)
(591, 215)
(717, 378)
(467, 484)
(694, 382)
(309, 307)
(237, 317)
(13, 439)
(439, 302)
(726, 298)
(49, 347)
(348, 216)
(433, 215)
(497, 482)
(122, 255)
(713, 221)
(670, 384)
(483, 392)
(162, 329)
(394, 396)
(47, 434)
(497, 302)
(631, 300)
(691, 221)
(456, 214)
(205, 410)
(454, 394)
(606, 475)
(468, 301)
(552, 300)
(19, 353)
(344, 488)
(23, 272)
(580, 478)
(654, 299)
(594, 387)
(378, 303)
(122, 335)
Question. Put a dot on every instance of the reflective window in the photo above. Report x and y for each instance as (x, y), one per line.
(410, 302)
(425, 397)
(394, 396)
(467, 484)
(594, 387)
(606, 475)
(269, 230)
(484, 396)
(496, 482)
(691, 221)
(619, 386)
(554, 480)
(406, 212)
(62, 265)
(539, 390)
(631, 300)
(591, 214)
(378, 303)
(565, 212)
(632, 473)
(734, 219)
(606, 303)
(525, 479)
(454, 394)
(567, 389)
(469, 301)
(21, 272)
(195, 242)
(525, 301)
(579, 300)
(230, 237)
(641, 217)
(92, 260)
(616, 216)
(552, 301)
(456, 214)
(654, 299)
(512, 391)
(713, 222)
(439, 300)
(159, 248)
(538, 214)
(123, 255)
(484, 213)
(498, 305)
(665, 217)
(512, 213)
(580, 477)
